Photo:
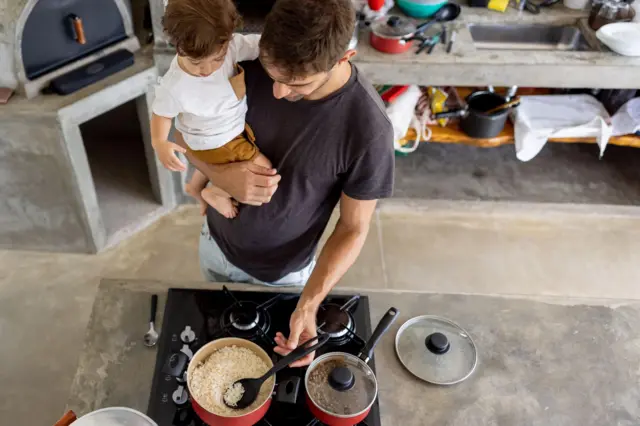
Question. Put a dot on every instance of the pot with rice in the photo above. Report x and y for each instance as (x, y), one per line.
(212, 371)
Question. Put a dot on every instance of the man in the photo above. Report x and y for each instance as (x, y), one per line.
(326, 132)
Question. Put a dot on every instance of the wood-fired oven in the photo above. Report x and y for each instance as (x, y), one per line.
(63, 45)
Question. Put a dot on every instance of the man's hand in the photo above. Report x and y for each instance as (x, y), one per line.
(247, 182)
(166, 154)
(302, 328)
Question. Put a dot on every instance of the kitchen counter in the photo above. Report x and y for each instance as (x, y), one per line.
(468, 66)
(541, 362)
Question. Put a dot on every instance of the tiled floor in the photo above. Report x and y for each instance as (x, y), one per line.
(46, 299)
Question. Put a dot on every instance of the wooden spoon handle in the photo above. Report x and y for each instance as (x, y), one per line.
(509, 104)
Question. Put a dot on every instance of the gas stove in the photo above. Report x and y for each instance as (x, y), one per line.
(193, 318)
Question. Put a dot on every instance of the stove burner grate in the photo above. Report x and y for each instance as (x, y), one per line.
(337, 321)
(246, 320)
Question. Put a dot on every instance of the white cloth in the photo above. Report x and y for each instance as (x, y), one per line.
(627, 119)
(208, 112)
(539, 118)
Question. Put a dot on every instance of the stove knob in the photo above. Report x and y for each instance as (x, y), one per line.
(188, 352)
(182, 379)
(187, 336)
(180, 396)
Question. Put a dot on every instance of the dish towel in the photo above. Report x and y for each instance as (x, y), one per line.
(539, 118)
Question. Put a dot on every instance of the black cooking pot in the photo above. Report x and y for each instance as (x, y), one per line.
(474, 119)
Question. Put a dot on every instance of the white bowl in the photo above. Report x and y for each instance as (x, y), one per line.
(621, 37)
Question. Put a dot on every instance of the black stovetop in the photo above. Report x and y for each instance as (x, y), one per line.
(207, 313)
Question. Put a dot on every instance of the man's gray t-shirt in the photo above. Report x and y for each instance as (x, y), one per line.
(321, 148)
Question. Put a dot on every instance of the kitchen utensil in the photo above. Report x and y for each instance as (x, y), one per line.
(511, 92)
(446, 13)
(420, 8)
(392, 34)
(115, 416)
(210, 418)
(513, 103)
(252, 386)
(432, 47)
(452, 38)
(341, 387)
(622, 37)
(151, 336)
(436, 350)
(475, 121)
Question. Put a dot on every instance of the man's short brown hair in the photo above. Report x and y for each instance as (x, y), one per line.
(200, 28)
(303, 37)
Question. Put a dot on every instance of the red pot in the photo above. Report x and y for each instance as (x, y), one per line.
(392, 34)
(354, 372)
(389, 45)
(213, 419)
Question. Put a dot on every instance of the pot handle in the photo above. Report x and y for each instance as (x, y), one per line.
(450, 114)
(383, 326)
(422, 27)
(302, 350)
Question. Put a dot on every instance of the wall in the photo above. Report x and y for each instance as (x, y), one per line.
(38, 209)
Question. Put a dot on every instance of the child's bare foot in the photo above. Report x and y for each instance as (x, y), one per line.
(195, 193)
(224, 205)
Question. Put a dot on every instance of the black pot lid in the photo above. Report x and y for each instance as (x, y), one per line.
(393, 27)
(436, 350)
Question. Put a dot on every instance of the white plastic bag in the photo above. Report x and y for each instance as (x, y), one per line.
(627, 120)
(539, 118)
(401, 114)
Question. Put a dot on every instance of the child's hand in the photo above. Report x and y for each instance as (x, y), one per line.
(166, 154)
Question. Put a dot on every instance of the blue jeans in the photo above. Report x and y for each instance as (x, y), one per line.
(216, 267)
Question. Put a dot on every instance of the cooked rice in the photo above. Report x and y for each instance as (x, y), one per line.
(233, 394)
(210, 380)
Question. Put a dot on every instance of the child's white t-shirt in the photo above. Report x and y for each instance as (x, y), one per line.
(208, 112)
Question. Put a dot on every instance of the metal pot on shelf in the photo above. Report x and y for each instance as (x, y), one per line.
(477, 119)
(340, 387)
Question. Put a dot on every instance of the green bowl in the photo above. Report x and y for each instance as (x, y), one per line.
(419, 10)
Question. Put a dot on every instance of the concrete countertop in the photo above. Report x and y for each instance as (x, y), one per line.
(143, 71)
(542, 363)
(468, 66)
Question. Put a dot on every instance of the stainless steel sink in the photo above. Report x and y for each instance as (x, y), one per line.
(527, 37)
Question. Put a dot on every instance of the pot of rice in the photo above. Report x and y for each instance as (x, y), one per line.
(216, 366)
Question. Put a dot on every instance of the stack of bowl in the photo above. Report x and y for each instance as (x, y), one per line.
(420, 8)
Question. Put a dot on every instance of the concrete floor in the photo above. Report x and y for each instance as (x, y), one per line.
(487, 248)
(561, 173)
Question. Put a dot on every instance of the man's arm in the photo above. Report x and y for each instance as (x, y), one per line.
(245, 181)
(339, 253)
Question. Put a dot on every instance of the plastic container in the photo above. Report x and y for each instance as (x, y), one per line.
(420, 8)
(577, 4)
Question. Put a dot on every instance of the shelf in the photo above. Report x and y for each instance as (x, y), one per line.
(452, 134)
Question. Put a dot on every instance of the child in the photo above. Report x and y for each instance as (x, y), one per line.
(204, 88)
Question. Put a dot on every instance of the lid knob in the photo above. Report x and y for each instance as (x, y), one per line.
(341, 379)
(437, 343)
(393, 21)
